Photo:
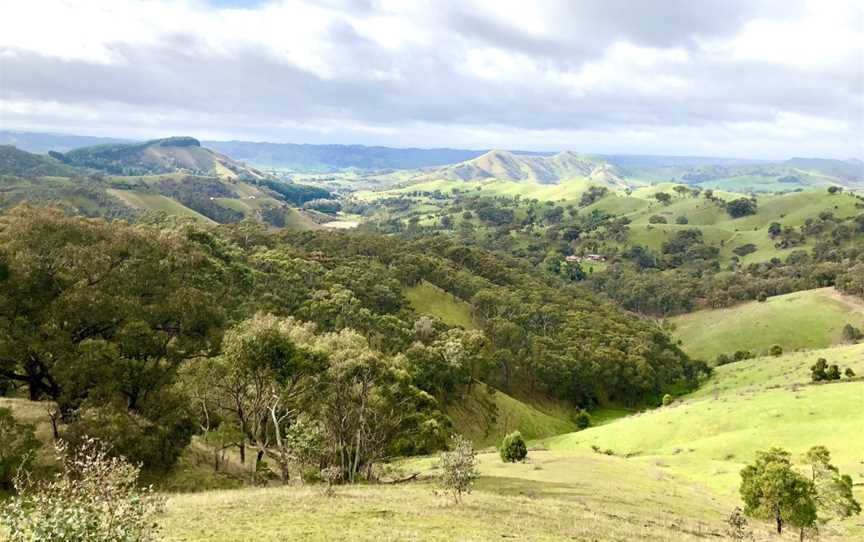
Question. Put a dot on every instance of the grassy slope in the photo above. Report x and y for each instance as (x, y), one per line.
(809, 319)
(155, 202)
(552, 497)
(486, 427)
(760, 403)
(431, 300)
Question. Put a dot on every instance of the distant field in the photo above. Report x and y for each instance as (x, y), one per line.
(431, 300)
(808, 319)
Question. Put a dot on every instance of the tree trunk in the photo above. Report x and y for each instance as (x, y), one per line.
(779, 524)
(242, 453)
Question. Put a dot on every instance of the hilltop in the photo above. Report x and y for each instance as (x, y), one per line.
(801, 320)
(169, 155)
(508, 166)
(14, 161)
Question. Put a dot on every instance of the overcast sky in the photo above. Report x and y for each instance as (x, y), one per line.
(750, 78)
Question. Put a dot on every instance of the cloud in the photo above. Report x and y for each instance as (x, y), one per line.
(710, 77)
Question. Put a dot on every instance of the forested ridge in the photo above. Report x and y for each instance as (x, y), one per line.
(144, 335)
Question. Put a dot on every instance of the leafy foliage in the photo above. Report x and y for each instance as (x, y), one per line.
(513, 448)
(459, 468)
(773, 490)
(95, 498)
(19, 443)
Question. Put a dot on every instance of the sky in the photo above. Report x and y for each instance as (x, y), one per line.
(745, 78)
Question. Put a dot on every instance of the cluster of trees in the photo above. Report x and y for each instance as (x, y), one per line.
(685, 273)
(295, 347)
(772, 489)
(682, 275)
(821, 371)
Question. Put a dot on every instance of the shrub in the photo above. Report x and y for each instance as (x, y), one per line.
(583, 419)
(776, 350)
(460, 468)
(657, 219)
(741, 207)
(94, 498)
(513, 448)
(819, 370)
(744, 250)
(833, 372)
(667, 400)
(761, 297)
(724, 359)
(682, 220)
(18, 443)
(849, 372)
(851, 334)
(741, 355)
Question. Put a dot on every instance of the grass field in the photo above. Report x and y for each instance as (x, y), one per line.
(431, 300)
(759, 403)
(808, 319)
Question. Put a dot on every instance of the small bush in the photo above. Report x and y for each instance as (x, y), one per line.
(513, 448)
(94, 498)
(17, 443)
(851, 333)
(741, 355)
(762, 297)
(776, 350)
(682, 220)
(849, 372)
(724, 359)
(657, 219)
(667, 400)
(460, 468)
(583, 419)
(818, 371)
(833, 372)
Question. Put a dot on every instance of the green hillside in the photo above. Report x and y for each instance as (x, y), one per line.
(20, 163)
(800, 320)
(431, 300)
(708, 436)
(158, 156)
(484, 418)
(156, 202)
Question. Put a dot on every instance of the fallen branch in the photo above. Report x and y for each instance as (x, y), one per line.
(403, 480)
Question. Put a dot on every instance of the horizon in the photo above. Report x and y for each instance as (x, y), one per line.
(204, 141)
(768, 80)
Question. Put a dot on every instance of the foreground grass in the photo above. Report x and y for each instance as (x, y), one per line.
(554, 496)
(808, 319)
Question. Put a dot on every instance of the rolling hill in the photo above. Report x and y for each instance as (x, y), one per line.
(708, 436)
(169, 155)
(800, 320)
(508, 166)
(14, 161)
(175, 176)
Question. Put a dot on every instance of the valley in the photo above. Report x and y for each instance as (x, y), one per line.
(647, 324)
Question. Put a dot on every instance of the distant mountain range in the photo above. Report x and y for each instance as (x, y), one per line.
(455, 164)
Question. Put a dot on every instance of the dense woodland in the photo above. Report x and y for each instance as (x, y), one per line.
(683, 275)
(280, 342)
